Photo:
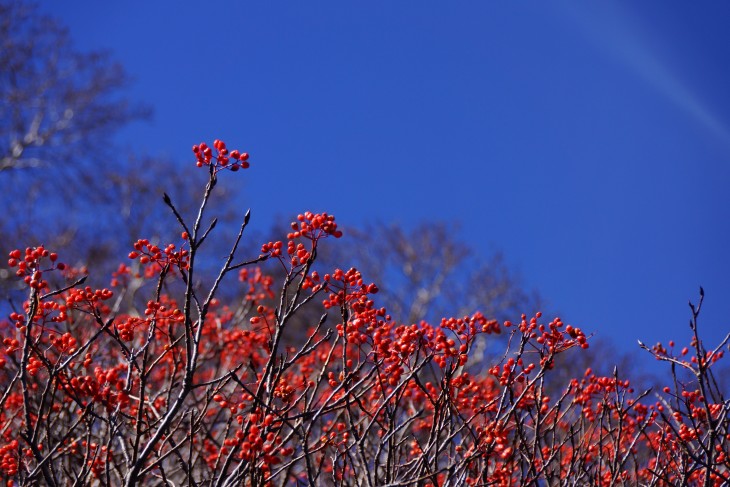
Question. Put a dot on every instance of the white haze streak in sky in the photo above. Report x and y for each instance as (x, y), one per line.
(612, 31)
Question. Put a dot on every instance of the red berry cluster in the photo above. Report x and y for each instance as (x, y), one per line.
(29, 267)
(65, 343)
(149, 253)
(262, 441)
(104, 387)
(126, 328)
(223, 159)
(121, 276)
(284, 391)
(554, 338)
(309, 226)
(258, 285)
(9, 458)
(313, 226)
(346, 287)
(34, 365)
(87, 296)
(272, 248)
(11, 345)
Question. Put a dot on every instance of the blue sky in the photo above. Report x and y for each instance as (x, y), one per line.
(590, 140)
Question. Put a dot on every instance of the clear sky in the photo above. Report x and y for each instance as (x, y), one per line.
(588, 140)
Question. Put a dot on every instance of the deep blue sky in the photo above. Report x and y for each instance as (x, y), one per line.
(588, 140)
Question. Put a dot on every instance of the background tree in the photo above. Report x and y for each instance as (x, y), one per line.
(60, 110)
(431, 273)
(58, 106)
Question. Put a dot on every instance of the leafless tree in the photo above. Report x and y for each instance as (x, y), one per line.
(60, 172)
(56, 104)
(428, 272)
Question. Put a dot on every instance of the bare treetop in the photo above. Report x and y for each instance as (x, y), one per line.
(53, 99)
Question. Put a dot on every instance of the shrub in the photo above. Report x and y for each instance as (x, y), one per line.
(100, 387)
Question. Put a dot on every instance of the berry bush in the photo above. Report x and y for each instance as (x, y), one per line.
(190, 386)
